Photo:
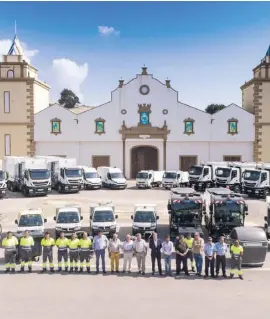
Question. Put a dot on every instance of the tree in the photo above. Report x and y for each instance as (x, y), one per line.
(68, 99)
(213, 108)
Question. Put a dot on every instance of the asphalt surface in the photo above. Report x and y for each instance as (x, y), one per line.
(54, 295)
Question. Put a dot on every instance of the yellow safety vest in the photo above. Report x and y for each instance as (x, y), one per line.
(236, 250)
(10, 243)
(27, 243)
(189, 242)
(85, 244)
(74, 244)
(62, 243)
(47, 242)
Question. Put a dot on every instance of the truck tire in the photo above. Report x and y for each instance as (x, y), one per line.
(11, 187)
(237, 189)
(25, 192)
(59, 188)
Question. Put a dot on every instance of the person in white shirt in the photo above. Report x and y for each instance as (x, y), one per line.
(127, 248)
(167, 249)
(140, 249)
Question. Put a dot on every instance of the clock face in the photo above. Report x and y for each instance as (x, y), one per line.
(144, 89)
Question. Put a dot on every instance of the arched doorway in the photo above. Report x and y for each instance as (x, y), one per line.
(143, 158)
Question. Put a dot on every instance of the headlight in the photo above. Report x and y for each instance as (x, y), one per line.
(58, 228)
(135, 227)
(95, 227)
(77, 228)
(113, 226)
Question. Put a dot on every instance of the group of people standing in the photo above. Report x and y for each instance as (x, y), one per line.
(76, 253)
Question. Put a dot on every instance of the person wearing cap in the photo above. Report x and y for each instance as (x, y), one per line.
(189, 242)
(220, 251)
(181, 250)
(209, 258)
(236, 260)
(197, 249)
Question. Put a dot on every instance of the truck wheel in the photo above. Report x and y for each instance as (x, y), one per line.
(59, 188)
(11, 187)
(237, 189)
(25, 192)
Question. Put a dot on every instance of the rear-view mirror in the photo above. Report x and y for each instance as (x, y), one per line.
(246, 208)
(246, 214)
(265, 218)
(91, 217)
(81, 217)
(45, 220)
(16, 222)
(54, 218)
(131, 216)
(266, 226)
(116, 216)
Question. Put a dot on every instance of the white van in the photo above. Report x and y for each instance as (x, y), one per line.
(91, 179)
(112, 177)
(68, 220)
(31, 220)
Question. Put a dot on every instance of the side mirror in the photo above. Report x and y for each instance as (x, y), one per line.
(81, 217)
(265, 218)
(169, 207)
(265, 226)
(45, 220)
(131, 216)
(16, 222)
(157, 217)
(116, 216)
(178, 175)
(246, 214)
(169, 212)
(54, 218)
(91, 217)
(246, 208)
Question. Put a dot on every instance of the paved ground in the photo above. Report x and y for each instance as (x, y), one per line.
(133, 296)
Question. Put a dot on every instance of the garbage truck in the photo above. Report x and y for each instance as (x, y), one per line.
(67, 177)
(27, 175)
(3, 181)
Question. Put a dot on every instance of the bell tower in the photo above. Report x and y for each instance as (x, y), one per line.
(21, 95)
(256, 99)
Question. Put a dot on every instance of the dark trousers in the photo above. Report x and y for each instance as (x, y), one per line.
(158, 258)
(221, 260)
(209, 264)
(100, 253)
(181, 260)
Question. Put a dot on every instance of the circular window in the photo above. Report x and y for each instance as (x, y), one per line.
(165, 112)
(144, 89)
(123, 111)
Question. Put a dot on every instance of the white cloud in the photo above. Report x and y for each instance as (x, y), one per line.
(67, 74)
(106, 31)
(5, 45)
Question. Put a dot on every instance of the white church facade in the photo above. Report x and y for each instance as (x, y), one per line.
(144, 126)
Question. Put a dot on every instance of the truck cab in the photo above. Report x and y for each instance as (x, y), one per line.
(225, 211)
(68, 220)
(112, 177)
(144, 219)
(91, 179)
(3, 181)
(203, 176)
(256, 182)
(103, 218)
(173, 179)
(144, 179)
(186, 209)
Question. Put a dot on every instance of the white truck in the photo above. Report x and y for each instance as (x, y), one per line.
(66, 175)
(149, 179)
(173, 179)
(231, 176)
(103, 218)
(3, 181)
(144, 219)
(204, 176)
(256, 181)
(28, 175)
(91, 179)
(112, 177)
(68, 220)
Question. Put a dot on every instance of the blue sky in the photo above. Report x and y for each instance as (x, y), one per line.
(206, 49)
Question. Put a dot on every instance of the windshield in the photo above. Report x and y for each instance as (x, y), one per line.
(223, 172)
(142, 175)
(144, 217)
(39, 174)
(2, 175)
(103, 216)
(91, 175)
(74, 172)
(186, 212)
(229, 211)
(185, 205)
(252, 175)
(68, 218)
(117, 175)
(30, 220)
(195, 170)
(169, 175)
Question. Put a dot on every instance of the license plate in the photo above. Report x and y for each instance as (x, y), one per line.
(148, 232)
(40, 190)
(106, 232)
(74, 187)
(249, 191)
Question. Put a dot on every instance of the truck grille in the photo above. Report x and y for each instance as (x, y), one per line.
(221, 181)
(40, 184)
(74, 181)
(193, 179)
(67, 229)
(252, 185)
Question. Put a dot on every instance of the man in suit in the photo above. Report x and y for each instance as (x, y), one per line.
(155, 245)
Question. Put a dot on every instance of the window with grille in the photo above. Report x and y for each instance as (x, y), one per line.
(232, 158)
